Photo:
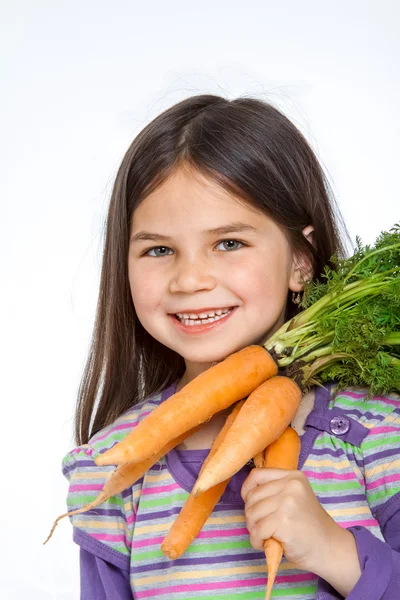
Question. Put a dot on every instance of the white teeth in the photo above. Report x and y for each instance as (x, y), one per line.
(209, 315)
(203, 318)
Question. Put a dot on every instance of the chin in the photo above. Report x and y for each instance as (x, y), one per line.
(208, 358)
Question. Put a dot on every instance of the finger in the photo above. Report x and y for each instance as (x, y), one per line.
(260, 476)
(266, 490)
(265, 529)
(265, 507)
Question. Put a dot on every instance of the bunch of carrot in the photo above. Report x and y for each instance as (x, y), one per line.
(179, 417)
(253, 424)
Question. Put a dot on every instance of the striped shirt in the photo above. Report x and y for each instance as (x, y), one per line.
(350, 453)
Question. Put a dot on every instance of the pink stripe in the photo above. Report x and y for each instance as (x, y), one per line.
(131, 519)
(383, 481)
(329, 475)
(362, 522)
(225, 585)
(149, 542)
(78, 450)
(295, 578)
(384, 398)
(85, 487)
(376, 430)
(160, 489)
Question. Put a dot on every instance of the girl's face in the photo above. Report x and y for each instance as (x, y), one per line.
(187, 267)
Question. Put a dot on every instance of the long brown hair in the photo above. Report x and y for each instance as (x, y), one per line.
(255, 152)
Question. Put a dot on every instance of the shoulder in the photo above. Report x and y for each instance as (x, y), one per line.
(362, 406)
(111, 522)
(112, 434)
(379, 454)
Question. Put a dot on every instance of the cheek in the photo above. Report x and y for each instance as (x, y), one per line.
(260, 284)
(264, 293)
(145, 289)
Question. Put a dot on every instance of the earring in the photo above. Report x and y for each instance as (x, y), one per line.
(296, 298)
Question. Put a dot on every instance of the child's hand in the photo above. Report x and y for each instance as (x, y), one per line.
(281, 504)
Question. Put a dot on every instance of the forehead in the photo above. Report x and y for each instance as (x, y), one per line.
(189, 196)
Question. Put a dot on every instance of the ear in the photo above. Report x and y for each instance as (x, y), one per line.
(301, 270)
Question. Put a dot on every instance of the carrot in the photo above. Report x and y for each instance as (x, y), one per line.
(196, 511)
(281, 454)
(210, 392)
(263, 418)
(284, 452)
(123, 476)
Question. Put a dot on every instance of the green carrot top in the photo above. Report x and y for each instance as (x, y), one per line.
(349, 329)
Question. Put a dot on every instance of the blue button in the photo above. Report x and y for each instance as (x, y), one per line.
(339, 425)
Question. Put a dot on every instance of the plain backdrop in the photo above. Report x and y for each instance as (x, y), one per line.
(79, 80)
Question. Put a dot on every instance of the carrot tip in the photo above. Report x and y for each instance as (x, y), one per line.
(100, 461)
(52, 530)
(169, 553)
(196, 491)
(270, 583)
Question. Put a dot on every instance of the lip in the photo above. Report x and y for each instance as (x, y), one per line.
(198, 311)
(196, 329)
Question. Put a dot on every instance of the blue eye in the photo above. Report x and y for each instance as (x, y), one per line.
(234, 241)
(156, 248)
(164, 248)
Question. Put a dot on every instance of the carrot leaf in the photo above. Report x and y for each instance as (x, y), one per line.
(349, 328)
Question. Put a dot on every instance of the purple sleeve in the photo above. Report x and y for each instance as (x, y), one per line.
(379, 561)
(100, 580)
(104, 573)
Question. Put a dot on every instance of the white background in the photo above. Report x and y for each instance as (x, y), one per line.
(79, 81)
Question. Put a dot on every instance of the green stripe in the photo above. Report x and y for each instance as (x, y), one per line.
(384, 440)
(116, 546)
(112, 437)
(332, 487)
(260, 595)
(325, 440)
(167, 501)
(81, 500)
(383, 494)
(197, 549)
(366, 405)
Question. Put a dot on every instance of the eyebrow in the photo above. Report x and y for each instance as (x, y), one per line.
(229, 228)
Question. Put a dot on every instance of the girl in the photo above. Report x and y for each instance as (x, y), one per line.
(219, 212)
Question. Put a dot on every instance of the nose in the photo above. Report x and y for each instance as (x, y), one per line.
(190, 277)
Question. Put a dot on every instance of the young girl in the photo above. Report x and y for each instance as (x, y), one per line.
(219, 212)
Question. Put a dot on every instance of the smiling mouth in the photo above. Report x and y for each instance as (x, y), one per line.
(190, 322)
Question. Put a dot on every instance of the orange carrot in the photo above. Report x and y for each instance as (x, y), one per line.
(262, 419)
(214, 390)
(196, 511)
(123, 476)
(282, 454)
